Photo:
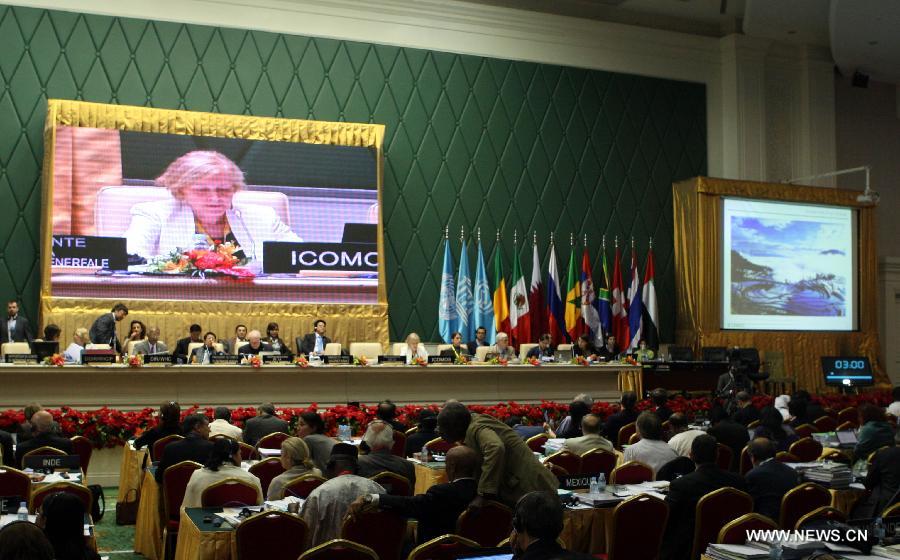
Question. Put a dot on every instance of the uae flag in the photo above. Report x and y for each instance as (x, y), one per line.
(501, 306)
(536, 299)
(651, 313)
(620, 328)
(519, 310)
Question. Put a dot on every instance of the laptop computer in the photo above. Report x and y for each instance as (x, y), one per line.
(44, 348)
(847, 438)
(564, 355)
(487, 554)
(360, 233)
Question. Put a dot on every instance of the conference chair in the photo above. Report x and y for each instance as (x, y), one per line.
(222, 436)
(837, 456)
(805, 430)
(625, 433)
(15, 348)
(482, 351)
(93, 346)
(567, 460)
(869, 459)
(248, 452)
(536, 443)
(632, 472)
(302, 486)
(825, 424)
(370, 350)
(333, 349)
(230, 492)
(393, 483)
(806, 449)
(487, 525)
(45, 450)
(598, 460)
(746, 461)
(557, 470)
(237, 349)
(272, 534)
(827, 513)
(849, 414)
(892, 513)
(15, 483)
(713, 511)
(735, 531)
(399, 447)
(564, 348)
(445, 547)
(633, 536)
(175, 480)
(675, 468)
(339, 549)
(785, 457)
(442, 347)
(382, 531)
(398, 348)
(272, 441)
(524, 348)
(194, 345)
(753, 425)
(635, 437)
(801, 500)
(411, 431)
(439, 446)
(724, 455)
(845, 426)
(156, 452)
(41, 492)
(129, 346)
(83, 447)
(265, 471)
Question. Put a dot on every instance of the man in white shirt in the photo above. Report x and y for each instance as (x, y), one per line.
(651, 449)
(590, 427)
(222, 424)
(683, 437)
(72, 354)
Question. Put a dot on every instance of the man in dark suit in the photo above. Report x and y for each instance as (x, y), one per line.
(194, 447)
(608, 351)
(730, 433)
(544, 349)
(480, 340)
(387, 411)
(42, 427)
(626, 415)
(6, 449)
(746, 412)
(314, 343)
(255, 346)
(769, 480)
(537, 523)
(685, 492)
(660, 398)
(103, 331)
(15, 328)
(425, 432)
(181, 347)
(439, 507)
(153, 345)
(264, 423)
(202, 354)
(379, 438)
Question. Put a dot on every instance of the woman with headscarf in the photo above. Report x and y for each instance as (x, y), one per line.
(62, 518)
(224, 462)
(296, 462)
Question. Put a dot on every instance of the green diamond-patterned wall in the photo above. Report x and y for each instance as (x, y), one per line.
(471, 141)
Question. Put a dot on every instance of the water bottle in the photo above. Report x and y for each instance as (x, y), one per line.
(775, 551)
(878, 529)
(424, 455)
(22, 513)
(601, 483)
(595, 486)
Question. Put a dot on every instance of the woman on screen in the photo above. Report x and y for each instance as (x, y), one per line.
(200, 212)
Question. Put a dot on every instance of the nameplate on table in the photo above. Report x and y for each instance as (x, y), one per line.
(229, 359)
(445, 360)
(84, 251)
(158, 359)
(392, 359)
(336, 360)
(277, 359)
(285, 257)
(574, 482)
(92, 357)
(52, 462)
(21, 358)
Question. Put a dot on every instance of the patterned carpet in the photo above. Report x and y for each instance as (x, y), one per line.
(114, 541)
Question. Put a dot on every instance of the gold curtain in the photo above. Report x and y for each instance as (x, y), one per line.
(697, 216)
(346, 322)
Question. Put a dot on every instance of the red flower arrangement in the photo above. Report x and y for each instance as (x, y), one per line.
(581, 361)
(533, 361)
(55, 360)
(301, 361)
(497, 361)
(136, 361)
(419, 361)
(461, 360)
(254, 361)
(361, 361)
(202, 262)
(107, 427)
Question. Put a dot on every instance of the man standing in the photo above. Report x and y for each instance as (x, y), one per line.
(379, 438)
(264, 423)
(152, 345)
(103, 331)
(194, 447)
(15, 328)
(769, 479)
(509, 469)
(439, 507)
(480, 336)
(181, 347)
(42, 427)
(314, 343)
(326, 506)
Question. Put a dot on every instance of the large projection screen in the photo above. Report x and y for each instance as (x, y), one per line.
(788, 266)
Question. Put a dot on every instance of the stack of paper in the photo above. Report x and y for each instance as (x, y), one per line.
(735, 552)
(831, 475)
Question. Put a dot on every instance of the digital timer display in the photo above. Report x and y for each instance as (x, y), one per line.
(848, 371)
